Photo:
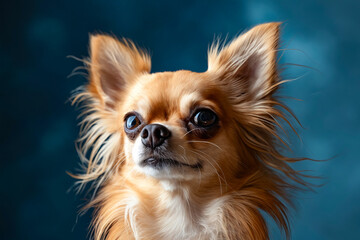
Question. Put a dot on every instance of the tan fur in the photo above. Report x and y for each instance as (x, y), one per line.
(243, 171)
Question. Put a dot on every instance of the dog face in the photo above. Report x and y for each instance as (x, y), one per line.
(177, 125)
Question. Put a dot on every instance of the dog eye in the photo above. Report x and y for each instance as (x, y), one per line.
(205, 118)
(132, 122)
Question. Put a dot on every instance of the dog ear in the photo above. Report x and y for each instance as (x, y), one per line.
(114, 65)
(247, 66)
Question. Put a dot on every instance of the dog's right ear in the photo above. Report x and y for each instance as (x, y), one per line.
(114, 65)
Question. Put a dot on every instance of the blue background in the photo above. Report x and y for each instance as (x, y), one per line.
(38, 126)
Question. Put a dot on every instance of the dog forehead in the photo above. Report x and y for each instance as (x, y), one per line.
(160, 95)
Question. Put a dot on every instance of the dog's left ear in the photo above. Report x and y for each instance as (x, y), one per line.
(247, 66)
(114, 66)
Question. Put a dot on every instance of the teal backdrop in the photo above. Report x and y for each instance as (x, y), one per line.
(39, 127)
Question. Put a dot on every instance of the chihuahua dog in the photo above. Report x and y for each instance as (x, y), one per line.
(186, 155)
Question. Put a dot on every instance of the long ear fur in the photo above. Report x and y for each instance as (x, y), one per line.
(114, 65)
(248, 64)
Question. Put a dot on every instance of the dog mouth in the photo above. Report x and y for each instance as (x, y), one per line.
(159, 163)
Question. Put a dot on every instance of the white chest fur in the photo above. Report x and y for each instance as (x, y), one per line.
(177, 217)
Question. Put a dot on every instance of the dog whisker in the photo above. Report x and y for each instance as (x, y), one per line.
(211, 143)
(188, 132)
(220, 178)
(215, 162)
(184, 156)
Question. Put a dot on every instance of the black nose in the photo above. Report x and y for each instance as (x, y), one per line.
(153, 135)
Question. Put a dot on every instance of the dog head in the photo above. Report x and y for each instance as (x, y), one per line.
(181, 125)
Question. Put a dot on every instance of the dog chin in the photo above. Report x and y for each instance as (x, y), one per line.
(168, 169)
(167, 173)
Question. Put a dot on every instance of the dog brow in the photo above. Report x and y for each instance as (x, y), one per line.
(143, 106)
(187, 101)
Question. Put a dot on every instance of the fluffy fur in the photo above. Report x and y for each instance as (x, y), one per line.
(243, 174)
